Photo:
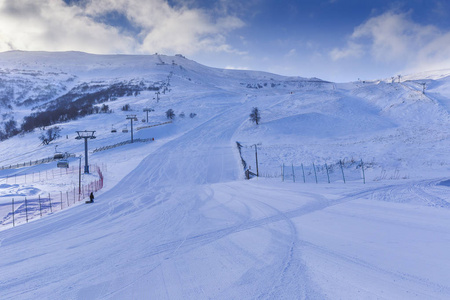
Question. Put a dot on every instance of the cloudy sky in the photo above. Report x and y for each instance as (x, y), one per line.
(338, 40)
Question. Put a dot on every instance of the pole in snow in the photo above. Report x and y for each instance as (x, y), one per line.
(315, 174)
(13, 212)
(79, 177)
(328, 174)
(256, 157)
(293, 173)
(342, 170)
(362, 168)
(303, 171)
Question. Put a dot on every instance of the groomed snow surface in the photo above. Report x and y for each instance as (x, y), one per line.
(177, 220)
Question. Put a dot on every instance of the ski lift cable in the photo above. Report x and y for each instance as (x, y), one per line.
(23, 154)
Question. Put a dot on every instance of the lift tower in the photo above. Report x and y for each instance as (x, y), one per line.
(85, 135)
(147, 110)
(132, 118)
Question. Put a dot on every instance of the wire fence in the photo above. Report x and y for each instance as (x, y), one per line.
(24, 209)
(154, 125)
(341, 171)
(338, 171)
(122, 144)
(34, 162)
(39, 176)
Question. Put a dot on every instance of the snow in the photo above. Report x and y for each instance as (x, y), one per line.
(177, 220)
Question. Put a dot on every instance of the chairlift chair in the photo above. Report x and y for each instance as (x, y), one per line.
(113, 129)
(125, 130)
(58, 155)
(63, 163)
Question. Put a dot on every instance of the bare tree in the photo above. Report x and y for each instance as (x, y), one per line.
(255, 116)
(50, 135)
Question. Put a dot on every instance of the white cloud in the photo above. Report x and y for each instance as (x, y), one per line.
(291, 53)
(352, 50)
(394, 37)
(53, 25)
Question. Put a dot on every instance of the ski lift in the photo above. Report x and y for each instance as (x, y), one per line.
(58, 155)
(125, 130)
(63, 163)
(113, 129)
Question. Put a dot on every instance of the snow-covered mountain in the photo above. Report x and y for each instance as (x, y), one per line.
(177, 220)
(293, 109)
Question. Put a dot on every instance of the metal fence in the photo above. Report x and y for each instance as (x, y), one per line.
(122, 144)
(34, 162)
(322, 173)
(338, 171)
(24, 209)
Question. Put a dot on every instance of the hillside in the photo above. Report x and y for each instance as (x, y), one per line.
(177, 220)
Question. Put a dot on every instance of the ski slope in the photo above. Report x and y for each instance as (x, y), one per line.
(177, 220)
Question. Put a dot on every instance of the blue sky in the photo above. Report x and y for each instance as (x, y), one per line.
(338, 40)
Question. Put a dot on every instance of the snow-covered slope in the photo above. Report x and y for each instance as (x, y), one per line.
(176, 218)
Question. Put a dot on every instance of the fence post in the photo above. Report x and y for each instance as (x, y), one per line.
(50, 200)
(26, 209)
(293, 172)
(282, 172)
(74, 195)
(362, 168)
(61, 204)
(67, 196)
(13, 212)
(303, 171)
(315, 174)
(40, 208)
(342, 170)
(328, 175)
